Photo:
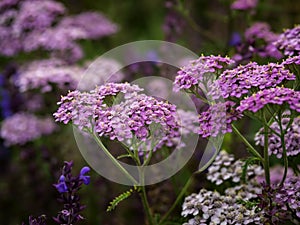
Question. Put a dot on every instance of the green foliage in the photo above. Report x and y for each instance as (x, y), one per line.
(249, 161)
(113, 204)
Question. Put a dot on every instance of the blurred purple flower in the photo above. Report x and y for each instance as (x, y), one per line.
(93, 25)
(289, 41)
(22, 127)
(235, 39)
(244, 4)
(43, 74)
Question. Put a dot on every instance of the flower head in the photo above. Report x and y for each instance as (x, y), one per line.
(44, 74)
(276, 96)
(291, 137)
(244, 4)
(194, 72)
(289, 41)
(22, 127)
(217, 119)
(240, 81)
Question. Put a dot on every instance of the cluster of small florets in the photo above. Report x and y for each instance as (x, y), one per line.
(209, 207)
(259, 40)
(43, 74)
(31, 25)
(217, 119)
(289, 41)
(244, 203)
(225, 168)
(272, 96)
(137, 115)
(244, 4)
(22, 127)
(281, 202)
(194, 72)
(291, 137)
(249, 78)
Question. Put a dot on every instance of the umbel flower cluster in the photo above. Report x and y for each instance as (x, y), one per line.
(30, 25)
(292, 138)
(238, 91)
(22, 127)
(242, 203)
(119, 111)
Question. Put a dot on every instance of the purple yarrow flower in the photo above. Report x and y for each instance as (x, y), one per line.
(94, 25)
(37, 15)
(258, 40)
(22, 127)
(244, 4)
(281, 203)
(193, 73)
(240, 81)
(289, 41)
(43, 74)
(291, 137)
(39, 25)
(217, 119)
(277, 96)
(136, 115)
(291, 60)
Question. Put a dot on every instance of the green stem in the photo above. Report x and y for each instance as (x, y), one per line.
(251, 148)
(284, 153)
(113, 159)
(144, 198)
(178, 199)
(266, 154)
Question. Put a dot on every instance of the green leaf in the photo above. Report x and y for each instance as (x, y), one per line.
(113, 204)
(248, 162)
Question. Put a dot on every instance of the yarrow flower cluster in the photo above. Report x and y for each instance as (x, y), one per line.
(22, 127)
(247, 78)
(291, 137)
(194, 72)
(289, 41)
(272, 96)
(217, 119)
(100, 72)
(244, 4)
(32, 25)
(44, 74)
(244, 203)
(68, 186)
(259, 39)
(135, 116)
(212, 207)
(281, 203)
(225, 168)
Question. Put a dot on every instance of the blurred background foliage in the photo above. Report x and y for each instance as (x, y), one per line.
(205, 28)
